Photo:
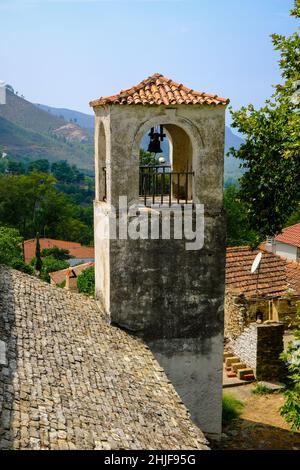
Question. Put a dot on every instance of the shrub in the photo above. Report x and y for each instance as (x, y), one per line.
(86, 281)
(291, 408)
(21, 266)
(57, 253)
(261, 389)
(231, 408)
(51, 264)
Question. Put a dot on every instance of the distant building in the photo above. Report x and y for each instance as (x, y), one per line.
(80, 253)
(286, 244)
(69, 275)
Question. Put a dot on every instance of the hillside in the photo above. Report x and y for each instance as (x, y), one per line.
(86, 121)
(35, 130)
(29, 132)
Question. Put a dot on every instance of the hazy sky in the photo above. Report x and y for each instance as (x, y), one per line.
(66, 52)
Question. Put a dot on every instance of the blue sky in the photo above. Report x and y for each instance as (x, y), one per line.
(66, 52)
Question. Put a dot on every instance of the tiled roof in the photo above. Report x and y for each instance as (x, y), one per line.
(76, 249)
(293, 275)
(59, 276)
(271, 277)
(72, 381)
(160, 90)
(290, 235)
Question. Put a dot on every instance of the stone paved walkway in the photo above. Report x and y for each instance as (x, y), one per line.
(72, 382)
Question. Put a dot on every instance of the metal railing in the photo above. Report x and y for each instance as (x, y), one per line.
(159, 184)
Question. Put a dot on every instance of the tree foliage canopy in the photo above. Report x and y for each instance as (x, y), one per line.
(86, 281)
(270, 188)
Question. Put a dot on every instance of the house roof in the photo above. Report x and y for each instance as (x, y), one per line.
(290, 235)
(59, 276)
(76, 249)
(159, 90)
(72, 381)
(293, 275)
(271, 279)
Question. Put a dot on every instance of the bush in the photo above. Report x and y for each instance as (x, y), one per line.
(261, 389)
(86, 281)
(51, 264)
(291, 408)
(231, 408)
(57, 253)
(21, 266)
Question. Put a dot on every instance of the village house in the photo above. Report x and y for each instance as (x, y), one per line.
(286, 244)
(69, 276)
(79, 253)
(271, 293)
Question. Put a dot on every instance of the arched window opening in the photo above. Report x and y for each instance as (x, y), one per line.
(166, 173)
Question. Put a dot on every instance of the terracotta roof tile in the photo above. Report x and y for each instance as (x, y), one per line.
(290, 235)
(157, 90)
(293, 275)
(76, 249)
(59, 276)
(270, 281)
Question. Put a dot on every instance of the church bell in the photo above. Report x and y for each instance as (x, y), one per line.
(155, 139)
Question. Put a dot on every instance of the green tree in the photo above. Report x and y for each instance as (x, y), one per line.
(57, 253)
(66, 173)
(32, 202)
(51, 264)
(41, 166)
(15, 168)
(38, 260)
(10, 245)
(11, 250)
(148, 158)
(291, 408)
(270, 187)
(86, 281)
(238, 230)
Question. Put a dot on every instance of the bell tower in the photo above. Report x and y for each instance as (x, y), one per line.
(150, 281)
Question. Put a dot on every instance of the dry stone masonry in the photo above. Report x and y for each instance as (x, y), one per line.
(259, 347)
(70, 381)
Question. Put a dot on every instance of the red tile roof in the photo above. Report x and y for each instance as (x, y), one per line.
(76, 249)
(160, 90)
(293, 275)
(272, 275)
(290, 235)
(59, 276)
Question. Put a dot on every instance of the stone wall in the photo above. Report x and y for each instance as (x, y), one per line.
(236, 315)
(259, 346)
(240, 312)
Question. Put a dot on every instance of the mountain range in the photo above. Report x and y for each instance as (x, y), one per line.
(30, 131)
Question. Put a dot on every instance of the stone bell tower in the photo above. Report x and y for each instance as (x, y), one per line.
(152, 286)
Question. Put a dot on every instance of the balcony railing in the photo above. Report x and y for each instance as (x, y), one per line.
(158, 184)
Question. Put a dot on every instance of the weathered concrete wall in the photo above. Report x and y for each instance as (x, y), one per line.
(171, 297)
(194, 367)
(259, 346)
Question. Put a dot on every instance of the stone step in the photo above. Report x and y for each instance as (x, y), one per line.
(249, 377)
(231, 360)
(241, 373)
(230, 374)
(227, 354)
(238, 365)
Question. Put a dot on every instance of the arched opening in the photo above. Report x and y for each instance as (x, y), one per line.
(101, 188)
(166, 177)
